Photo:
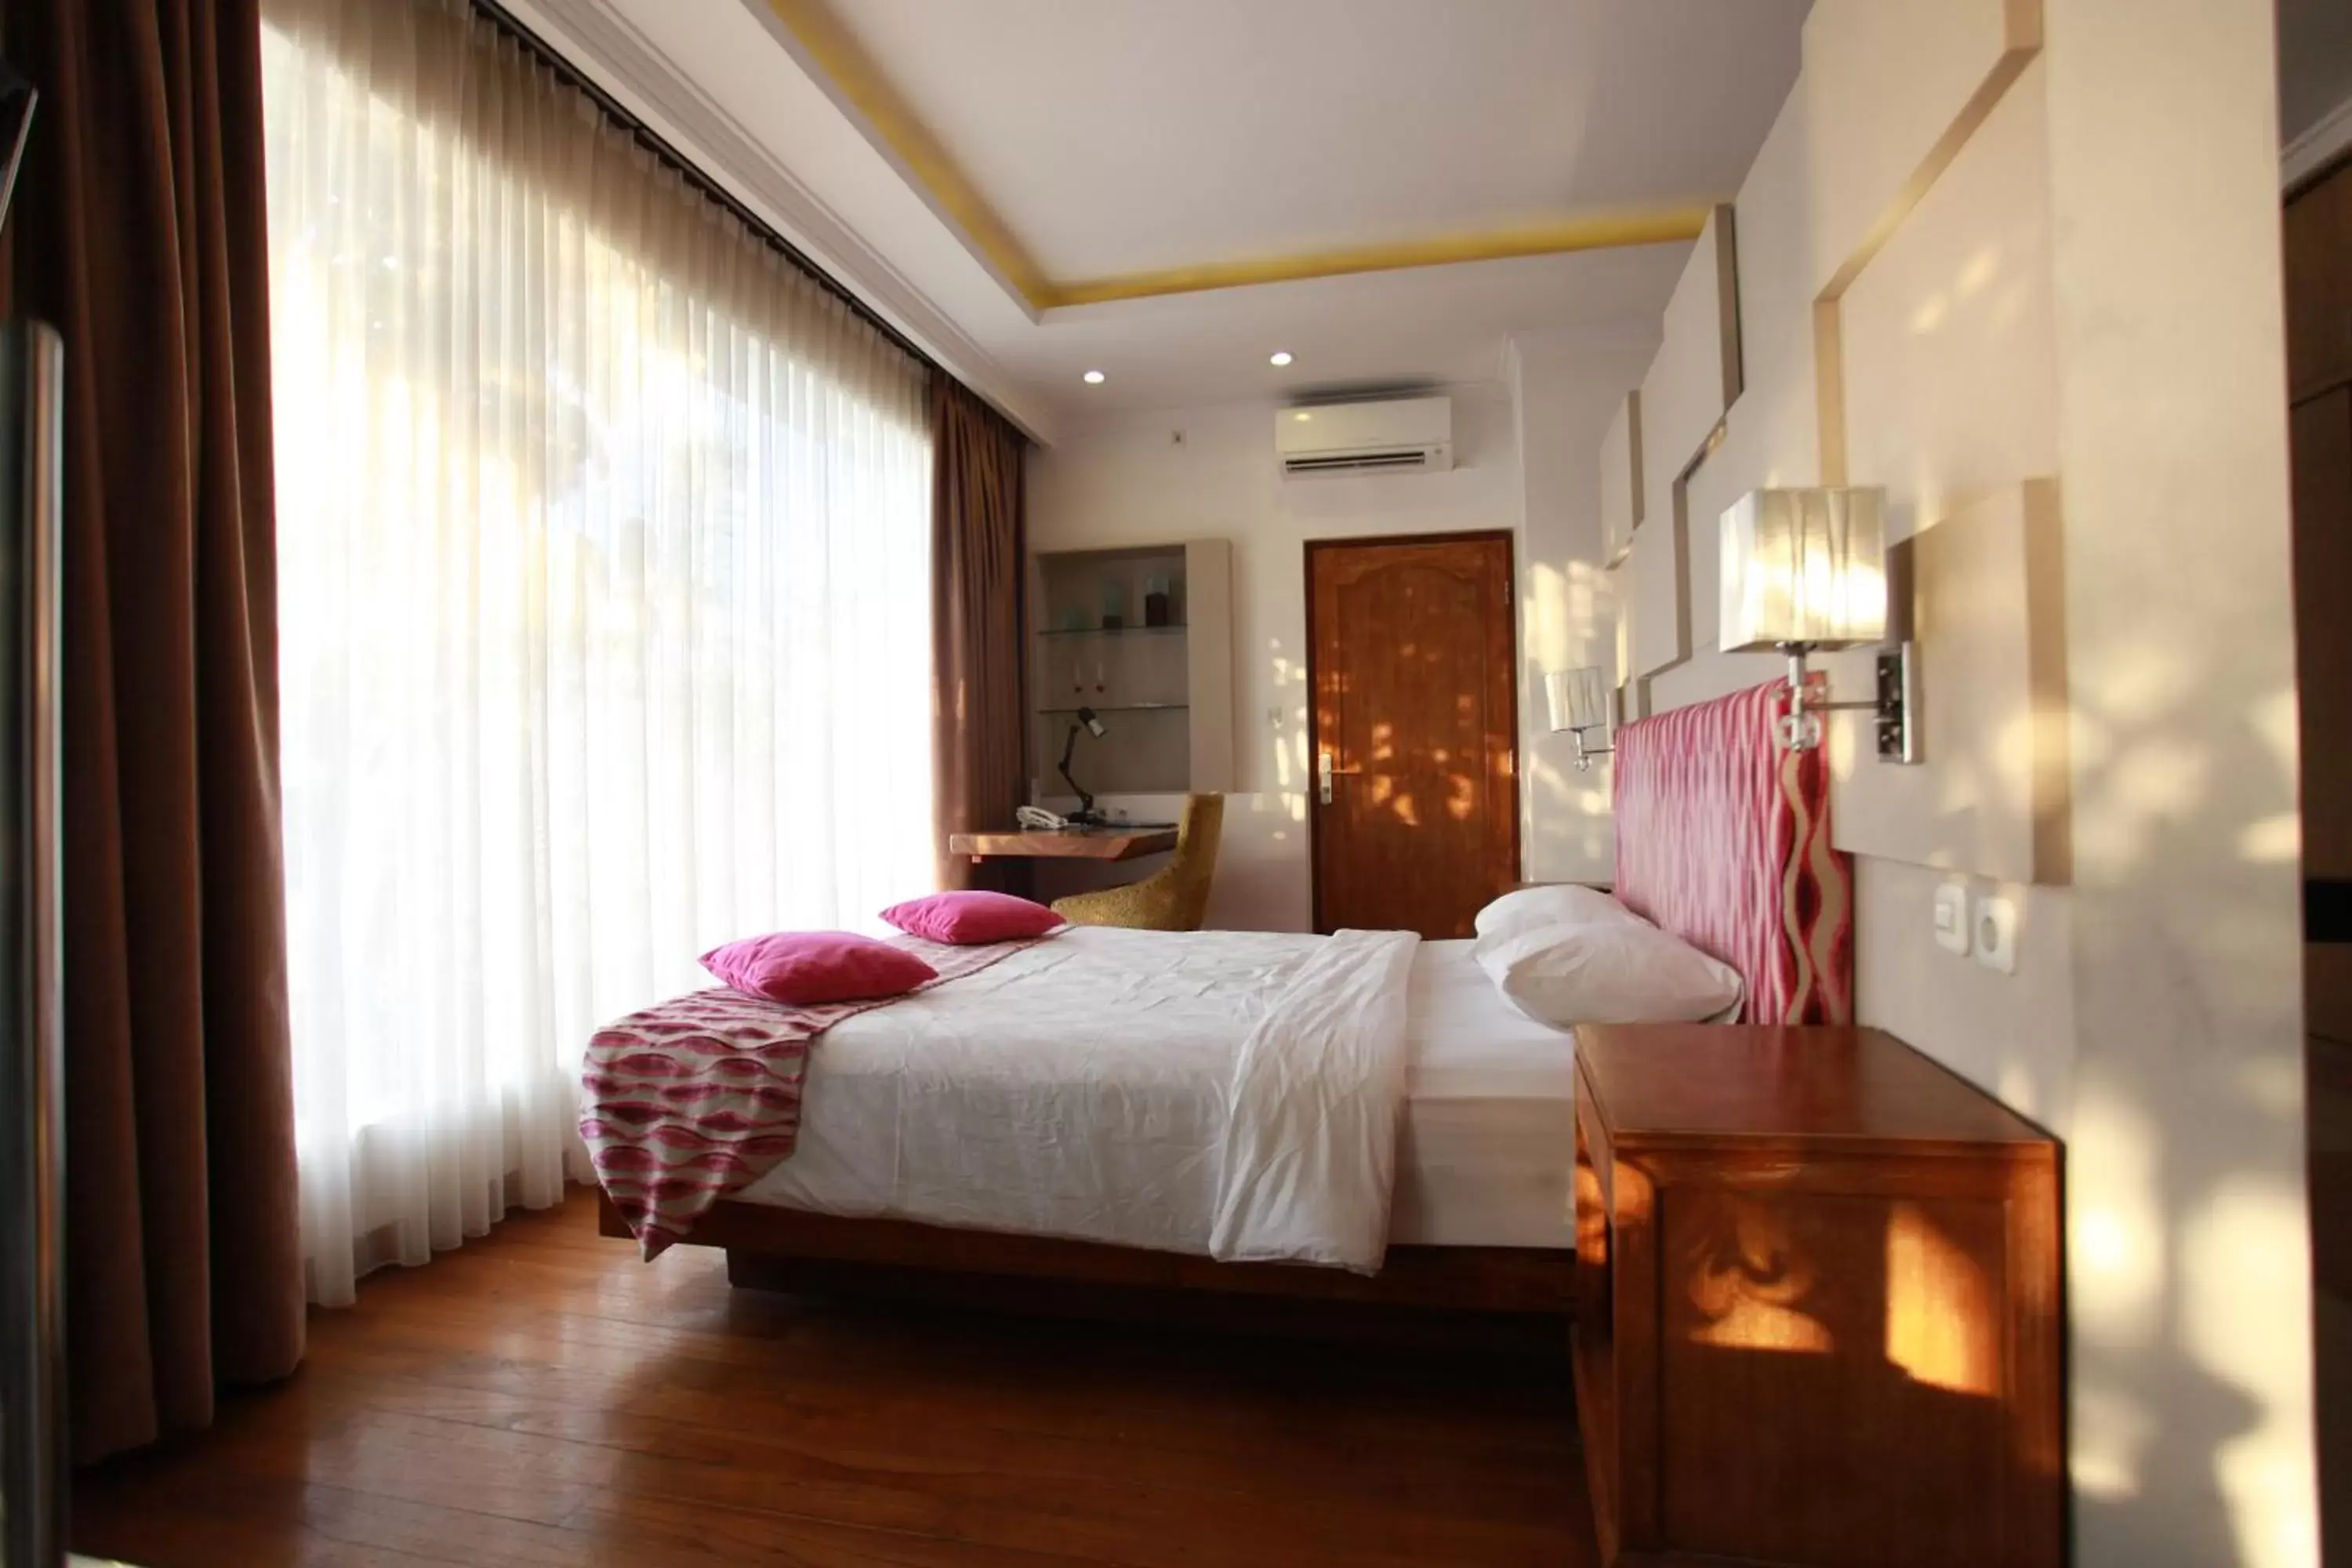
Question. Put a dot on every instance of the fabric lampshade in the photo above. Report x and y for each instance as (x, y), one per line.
(1556, 702)
(1804, 566)
(1577, 699)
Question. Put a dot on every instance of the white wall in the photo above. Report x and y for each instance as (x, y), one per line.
(2192, 1352)
(2087, 292)
(1564, 389)
(1129, 480)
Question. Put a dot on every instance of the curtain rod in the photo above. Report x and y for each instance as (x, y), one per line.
(687, 169)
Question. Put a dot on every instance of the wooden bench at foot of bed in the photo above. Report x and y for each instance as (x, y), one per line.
(764, 1246)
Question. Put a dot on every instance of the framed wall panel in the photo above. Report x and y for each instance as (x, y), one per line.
(1654, 581)
(1988, 588)
(1892, 90)
(1695, 378)
(1621, 478)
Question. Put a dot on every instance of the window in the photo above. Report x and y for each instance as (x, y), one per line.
(603, 553)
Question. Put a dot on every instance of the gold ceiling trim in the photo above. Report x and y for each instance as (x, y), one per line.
(850, 74)
(1598, 233)
(854, 79)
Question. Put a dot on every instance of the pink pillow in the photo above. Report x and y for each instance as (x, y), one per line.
(804, 967)
(964, 919)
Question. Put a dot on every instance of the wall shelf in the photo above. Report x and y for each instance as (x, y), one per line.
(1132, 671)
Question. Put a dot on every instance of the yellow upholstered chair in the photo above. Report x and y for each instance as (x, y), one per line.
(1173, 898)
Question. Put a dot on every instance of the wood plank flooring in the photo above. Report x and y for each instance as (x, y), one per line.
(540, 1397)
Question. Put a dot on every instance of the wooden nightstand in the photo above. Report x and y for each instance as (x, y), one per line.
(1818, 1314)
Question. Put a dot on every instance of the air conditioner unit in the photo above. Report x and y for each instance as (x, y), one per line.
(1404, 435)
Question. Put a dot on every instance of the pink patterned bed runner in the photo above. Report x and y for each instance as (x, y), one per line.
(689, 1101)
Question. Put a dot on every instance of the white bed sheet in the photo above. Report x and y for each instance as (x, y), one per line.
(1078, 1089)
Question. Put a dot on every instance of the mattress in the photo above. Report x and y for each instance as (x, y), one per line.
(1487, 1149)
(1001, 1101)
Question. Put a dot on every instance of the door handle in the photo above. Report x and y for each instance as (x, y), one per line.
(1323, 773)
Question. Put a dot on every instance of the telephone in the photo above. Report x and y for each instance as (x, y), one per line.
(1037, 819)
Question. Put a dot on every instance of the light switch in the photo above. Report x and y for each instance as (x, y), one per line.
(1996, 934)
(1952, 917)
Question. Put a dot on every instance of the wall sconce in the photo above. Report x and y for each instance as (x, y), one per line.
(1806, 569)
(1581, 699)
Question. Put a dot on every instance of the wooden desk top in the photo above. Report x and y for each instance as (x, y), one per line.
(1091, 844)
(1666, 1085)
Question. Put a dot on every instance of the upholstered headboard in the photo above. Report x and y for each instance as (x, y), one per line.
(1723, 838)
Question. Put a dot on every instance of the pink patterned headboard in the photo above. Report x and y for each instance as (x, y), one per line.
(1724, 838)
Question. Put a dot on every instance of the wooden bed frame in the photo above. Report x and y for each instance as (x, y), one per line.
(763, 1243)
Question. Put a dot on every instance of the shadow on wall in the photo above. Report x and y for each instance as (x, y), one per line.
(2180, 1208)
(1568, 621)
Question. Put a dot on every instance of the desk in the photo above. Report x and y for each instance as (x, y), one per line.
(1104, 843)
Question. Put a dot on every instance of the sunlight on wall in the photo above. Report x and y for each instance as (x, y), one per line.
(2143, 690)
(2111, 1429)
(2275, 1086)
(2118, 1225)
(1981, 269)
(2277, 723)
(1546, 631)
(2017, 747)
(2274, 838)
(1567, 624)
(2145, 788)
(2017, 1088)
(1591, 614)
(2249, 1240)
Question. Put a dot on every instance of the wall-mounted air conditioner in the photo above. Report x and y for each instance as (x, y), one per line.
(1400, 435)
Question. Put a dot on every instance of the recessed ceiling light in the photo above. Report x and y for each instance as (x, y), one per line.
(1279, 356)
(1094, 378)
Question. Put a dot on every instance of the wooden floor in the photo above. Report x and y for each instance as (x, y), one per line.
(542, 1398)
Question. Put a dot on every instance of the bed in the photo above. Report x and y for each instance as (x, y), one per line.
(1361, 1117)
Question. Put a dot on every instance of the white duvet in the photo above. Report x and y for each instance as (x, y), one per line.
(1229, 1093)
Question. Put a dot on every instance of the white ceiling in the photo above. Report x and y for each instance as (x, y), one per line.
(1126, 135)
(1111, 139)
(1428, 323)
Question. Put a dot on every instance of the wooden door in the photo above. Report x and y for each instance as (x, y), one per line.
(1414, 784)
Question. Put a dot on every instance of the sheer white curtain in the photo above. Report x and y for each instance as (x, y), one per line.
(604, 594)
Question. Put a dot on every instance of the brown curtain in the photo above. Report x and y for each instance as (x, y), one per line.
(139, 231)
(980, 753)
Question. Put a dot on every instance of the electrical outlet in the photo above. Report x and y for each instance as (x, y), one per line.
(1996, 933)
(1952, 917)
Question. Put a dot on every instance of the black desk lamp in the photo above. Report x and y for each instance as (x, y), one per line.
(1085, 815)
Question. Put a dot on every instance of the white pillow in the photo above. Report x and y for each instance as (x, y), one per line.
(1628, 973)
(1561, 904)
